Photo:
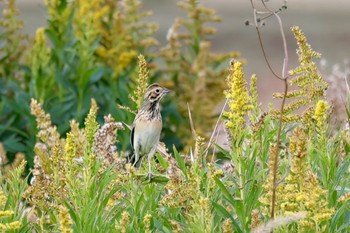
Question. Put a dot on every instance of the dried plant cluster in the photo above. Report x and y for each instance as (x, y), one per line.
(195, 78)
(303, 168)
(337, 92)
(288, 160)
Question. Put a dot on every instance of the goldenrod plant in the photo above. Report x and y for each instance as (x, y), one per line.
(196, 77)
(12, 206)
(88, 49)
(281, 170)
(291, 177)
(7, 225)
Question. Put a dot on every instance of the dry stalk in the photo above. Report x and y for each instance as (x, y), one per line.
(283, 78)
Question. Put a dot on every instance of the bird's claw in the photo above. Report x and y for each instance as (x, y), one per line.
(149, 176)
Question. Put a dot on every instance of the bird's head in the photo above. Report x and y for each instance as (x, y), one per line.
(155, 92)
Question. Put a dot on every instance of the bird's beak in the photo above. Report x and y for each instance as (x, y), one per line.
(166, 90)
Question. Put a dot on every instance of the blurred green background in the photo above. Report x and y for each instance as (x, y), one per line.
(325, 24)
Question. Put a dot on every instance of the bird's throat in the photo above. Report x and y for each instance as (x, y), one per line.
(152, 108)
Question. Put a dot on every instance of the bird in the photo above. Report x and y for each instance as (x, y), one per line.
(147, 126)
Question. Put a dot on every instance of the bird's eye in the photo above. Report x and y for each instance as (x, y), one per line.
(157, 90)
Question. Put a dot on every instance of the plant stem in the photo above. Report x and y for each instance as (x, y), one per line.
(275, 158)
(284, 78)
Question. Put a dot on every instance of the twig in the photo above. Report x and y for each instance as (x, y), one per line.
(284, 78)
(215, 129)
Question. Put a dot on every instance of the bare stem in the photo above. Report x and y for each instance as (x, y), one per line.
(275, 165)
(215, 131)
(284, 78)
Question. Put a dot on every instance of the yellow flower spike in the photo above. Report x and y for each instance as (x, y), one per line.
(40, 52)
(301, 190)
(102, 52)
(147, 223)
(40, 36)
(253, 89)
(238, 97)
(124, 60)
(123, 222)
(304, 48)
(320, 115)
(227, 226)
(310, 85)
(65, 220)
(6, 213)
(91, 124)
(3, 198)
(69, 148)
(142, 81)
(10, 226)
(175, 226)
(218, 173)
(344, 198)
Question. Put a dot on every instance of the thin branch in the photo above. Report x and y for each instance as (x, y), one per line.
(285, 49)
(280, 125)
(265, 56)
(261, 43)
(284, 78)
(215, 130)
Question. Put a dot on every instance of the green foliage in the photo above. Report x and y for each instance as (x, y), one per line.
(194, 73)
(67, 64)
(80, 180)
(89, 49)
(13, 216)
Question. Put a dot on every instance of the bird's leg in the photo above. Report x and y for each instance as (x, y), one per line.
(136, 156)
(150, 156)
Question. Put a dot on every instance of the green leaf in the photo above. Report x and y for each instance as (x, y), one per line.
(224, 191)
(180, 161)
(96, 74)
(14, 144)
(224, 213)
(162, 161)
(139, 203)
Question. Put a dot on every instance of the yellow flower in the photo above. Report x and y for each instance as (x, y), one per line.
(123, 222)
(238, 96)
(290, 187)
(147, 221)
(256, 221)
(124, 59)
(40, 36)
(69, 147)
(320, 114)
(301, 197)
(10, 226)
(142, 81)
(102, 51)
(65, 220)
(301, 190)
(227, 226)
(3, 198)
(6, 213)
(345, 197)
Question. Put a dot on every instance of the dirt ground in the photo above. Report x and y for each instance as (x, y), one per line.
(325, 23)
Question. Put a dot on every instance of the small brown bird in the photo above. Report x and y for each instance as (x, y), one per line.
(147, 126)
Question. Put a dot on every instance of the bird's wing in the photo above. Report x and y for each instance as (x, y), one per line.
(132, 137)
(131, 157)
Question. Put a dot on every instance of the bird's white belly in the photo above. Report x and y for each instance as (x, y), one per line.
(146, 136)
